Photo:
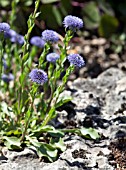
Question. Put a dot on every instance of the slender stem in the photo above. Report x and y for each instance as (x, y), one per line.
(13, 12)
(48, 117)
(32, 98)
(66, 40)
(1, 56)
(31, 24)
(43, 55)
(25, 130)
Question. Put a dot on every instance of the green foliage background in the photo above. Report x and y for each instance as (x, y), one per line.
(106, 17)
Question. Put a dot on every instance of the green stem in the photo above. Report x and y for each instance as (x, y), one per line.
(13, 12)
(60, 89)
(48, 117)
(25, 49)
(32, 98)
(58, 92)
(1, 56)
(43, 55)
(25, 130)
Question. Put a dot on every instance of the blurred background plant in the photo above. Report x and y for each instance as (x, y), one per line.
(102, 18)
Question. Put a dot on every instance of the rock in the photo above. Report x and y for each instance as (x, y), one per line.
(99, 103)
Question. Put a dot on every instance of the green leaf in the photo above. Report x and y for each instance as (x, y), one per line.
(56, 133)
(57, 15)
(92, 133)
(7, 110)
(44, 128)
(4, 3)
(37, 14)
(12, 142)
(44, 149)
(21, 78)
(108, 25)
(63, 100)
(91, 15)
(66, 7)
(49, 1)
(27, 115)
(69, 70)
(13, 132)
(28, 2)
(58, 143)
(48, 15)
(48, 129)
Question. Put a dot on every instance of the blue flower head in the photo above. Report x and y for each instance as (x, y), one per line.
(20, 39)
(39, 76)
(14, 37)
(76, 60)
(50, 36)
(7, 77)
(4, 64)
(52, 57)
(10, 34)
(37, 41)
(72, 22)
(4, 27)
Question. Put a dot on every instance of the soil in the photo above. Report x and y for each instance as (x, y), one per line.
(99, 101)
(118, 149)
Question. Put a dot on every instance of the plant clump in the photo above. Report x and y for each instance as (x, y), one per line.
(26, 75)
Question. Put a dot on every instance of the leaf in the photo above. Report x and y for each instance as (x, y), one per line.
(44, 149)
(25, 57)
(13, 132)
(58, 143)
(49, 16)
(56, 133)
(92, 133)
(66, 7)
(57, 15)
(69, 70)
(49, 1)
(44, 128)
(28, 2)
(63, 100)
(37, 14)
(91, 15)
(21, 78)
(4, 3)
(12, 142)
(7, 110)
(48, 129)
(108, 25)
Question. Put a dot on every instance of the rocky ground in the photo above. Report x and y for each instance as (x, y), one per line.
(99, 101)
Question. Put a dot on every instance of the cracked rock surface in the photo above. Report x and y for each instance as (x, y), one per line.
(99, 103)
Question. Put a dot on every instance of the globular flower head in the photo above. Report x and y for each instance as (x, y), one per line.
(72, 22)
(7, 77)
(39, 76)
(4, 27)
(14, 37)
(76, 60)
(4, 64)
(10, 33)
(52, 57)
(50, 36)
(20, 39)
(37, 41)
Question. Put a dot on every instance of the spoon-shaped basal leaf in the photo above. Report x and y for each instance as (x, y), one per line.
(12, 142)
(92, 133)
(44, 149)
(58, 143)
